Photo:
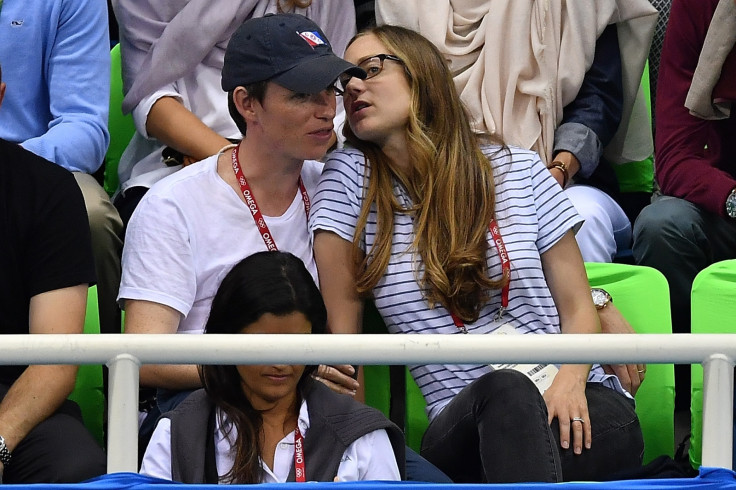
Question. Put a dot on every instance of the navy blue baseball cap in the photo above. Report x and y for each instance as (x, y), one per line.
(288, 49)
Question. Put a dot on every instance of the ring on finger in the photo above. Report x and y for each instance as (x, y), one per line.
(578, 419)
(641, 371)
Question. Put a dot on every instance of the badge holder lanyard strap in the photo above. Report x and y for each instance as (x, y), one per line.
(505, 270)
(250, 200)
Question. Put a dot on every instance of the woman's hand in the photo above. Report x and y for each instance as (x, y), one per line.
(566, 401)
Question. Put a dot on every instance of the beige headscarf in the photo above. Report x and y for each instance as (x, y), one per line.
(719, 42)
(162, 40)
(517, 63)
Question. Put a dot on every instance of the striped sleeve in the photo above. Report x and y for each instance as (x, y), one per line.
(338, 198)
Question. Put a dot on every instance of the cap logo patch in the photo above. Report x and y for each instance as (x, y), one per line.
(311, 37)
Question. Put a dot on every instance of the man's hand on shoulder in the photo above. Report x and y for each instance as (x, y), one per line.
(338, 378)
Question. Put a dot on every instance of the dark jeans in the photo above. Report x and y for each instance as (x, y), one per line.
(495, 431)
(679, 239)
(58, 450)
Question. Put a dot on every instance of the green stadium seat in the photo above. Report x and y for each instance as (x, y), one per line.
(121, 126)
(713, 311)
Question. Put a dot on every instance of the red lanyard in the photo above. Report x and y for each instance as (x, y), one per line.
(250, 201)
(506, 272)
(299, 471)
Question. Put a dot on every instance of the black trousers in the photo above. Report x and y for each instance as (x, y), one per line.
(495, 431)
(58, 450)
(679, 239)
(126, 203)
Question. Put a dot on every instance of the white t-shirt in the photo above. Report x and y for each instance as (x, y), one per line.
(370, 457)
(532, 215)
(191, 228)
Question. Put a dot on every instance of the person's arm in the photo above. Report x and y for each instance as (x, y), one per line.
(147, 317)
(334, 259)
(568, 283)
(175, 126)
(590, 121)
(159, 284)
(631, 376)
(41, 389)
(690, 161)
(78, 79)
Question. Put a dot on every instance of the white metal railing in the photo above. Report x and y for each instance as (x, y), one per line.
(125, 353)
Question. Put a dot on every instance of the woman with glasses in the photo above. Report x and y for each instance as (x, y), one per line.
(454, 235)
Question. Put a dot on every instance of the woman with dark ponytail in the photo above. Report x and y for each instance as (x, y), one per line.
(248, 422)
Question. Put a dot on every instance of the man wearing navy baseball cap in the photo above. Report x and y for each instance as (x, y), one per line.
(194, 225)
(287, 49)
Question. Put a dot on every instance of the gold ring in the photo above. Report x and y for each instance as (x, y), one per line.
(640, 371)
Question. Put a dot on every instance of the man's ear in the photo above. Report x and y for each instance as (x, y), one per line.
(2, 92)
(244, 103)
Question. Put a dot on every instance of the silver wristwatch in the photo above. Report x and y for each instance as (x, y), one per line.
(4, 452)
(731, 204)
(601, 298)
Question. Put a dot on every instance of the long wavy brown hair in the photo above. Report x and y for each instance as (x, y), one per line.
(450, 183)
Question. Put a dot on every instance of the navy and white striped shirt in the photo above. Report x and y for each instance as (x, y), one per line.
(532, 215)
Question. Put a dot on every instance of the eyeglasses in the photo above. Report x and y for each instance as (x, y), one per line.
(372, 66)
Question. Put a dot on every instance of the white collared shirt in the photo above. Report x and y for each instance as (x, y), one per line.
(370, 457)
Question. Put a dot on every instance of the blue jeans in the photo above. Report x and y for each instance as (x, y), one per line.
(420, 470)
(495, 430)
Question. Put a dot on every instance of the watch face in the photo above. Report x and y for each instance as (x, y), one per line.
(600, 297)
(731, 205)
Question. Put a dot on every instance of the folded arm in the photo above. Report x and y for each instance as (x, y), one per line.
(41, 389)
(147, 317)
(175, 126)
(590, 121)
(692, 153)
(78, 79)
